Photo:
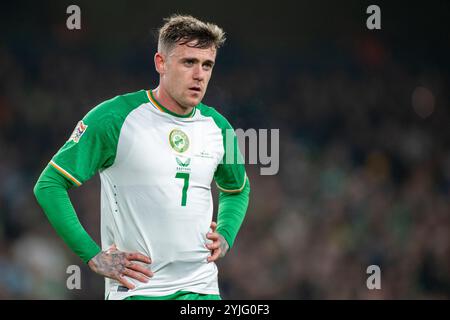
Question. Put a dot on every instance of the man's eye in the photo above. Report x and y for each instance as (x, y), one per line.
(188, 63)
(207, 66)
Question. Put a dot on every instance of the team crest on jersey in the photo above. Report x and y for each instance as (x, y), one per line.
(178, 140)
(80, 129)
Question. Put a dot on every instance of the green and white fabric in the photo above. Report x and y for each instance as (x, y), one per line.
(156, 170)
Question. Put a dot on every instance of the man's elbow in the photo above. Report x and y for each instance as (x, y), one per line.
(38, 190)
(246, 189)
(247, 185)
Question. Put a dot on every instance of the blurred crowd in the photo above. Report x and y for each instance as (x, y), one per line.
(364, 173)
(355, 189)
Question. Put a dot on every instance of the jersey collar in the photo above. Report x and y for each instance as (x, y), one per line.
(161, 108)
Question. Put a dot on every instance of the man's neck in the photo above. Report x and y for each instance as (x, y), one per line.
(169, 103)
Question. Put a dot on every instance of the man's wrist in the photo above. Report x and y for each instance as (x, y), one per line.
(224, 246)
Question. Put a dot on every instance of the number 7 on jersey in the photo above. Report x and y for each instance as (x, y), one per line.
(185, 176)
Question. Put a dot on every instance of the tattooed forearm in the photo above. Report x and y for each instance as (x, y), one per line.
(110, 264)
(116, 264)
(223, 246)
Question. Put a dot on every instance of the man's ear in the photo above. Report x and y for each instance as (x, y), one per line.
(159, 63)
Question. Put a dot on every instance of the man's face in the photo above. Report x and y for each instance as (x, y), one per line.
(185, 73)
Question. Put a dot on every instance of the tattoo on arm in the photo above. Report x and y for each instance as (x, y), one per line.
(110, 264)
(223, 246)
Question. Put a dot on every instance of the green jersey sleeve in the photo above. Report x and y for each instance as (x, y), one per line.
(230, 174)
(231, 179)
(93, 144)
(91, 147)
(51, 193)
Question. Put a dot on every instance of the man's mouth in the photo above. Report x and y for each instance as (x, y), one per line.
(197, 89)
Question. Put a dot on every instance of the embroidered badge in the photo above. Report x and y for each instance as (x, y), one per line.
(179, 140)
(80, 129)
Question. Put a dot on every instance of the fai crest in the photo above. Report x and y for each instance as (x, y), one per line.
(178, 140)
(80, 129)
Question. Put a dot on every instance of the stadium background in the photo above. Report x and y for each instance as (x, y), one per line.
(364, 141)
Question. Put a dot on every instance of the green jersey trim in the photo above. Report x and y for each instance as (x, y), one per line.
(233, 190)
(161, 108)
(65, 173)
(179, 295)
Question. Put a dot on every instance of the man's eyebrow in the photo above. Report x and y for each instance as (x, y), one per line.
(197, 60)
(189, 59)
(211, 62)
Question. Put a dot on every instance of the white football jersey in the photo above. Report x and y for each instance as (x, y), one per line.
(156, 170)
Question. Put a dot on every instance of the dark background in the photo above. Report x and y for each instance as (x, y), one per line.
(364, 141)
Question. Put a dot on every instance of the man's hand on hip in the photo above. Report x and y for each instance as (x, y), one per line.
(116, 264)
(219, 245)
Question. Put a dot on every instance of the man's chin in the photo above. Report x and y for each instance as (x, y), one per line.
(192, 102)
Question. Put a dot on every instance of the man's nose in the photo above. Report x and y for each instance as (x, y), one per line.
(199, 73)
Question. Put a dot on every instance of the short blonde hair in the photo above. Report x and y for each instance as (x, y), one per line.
(182, 29)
